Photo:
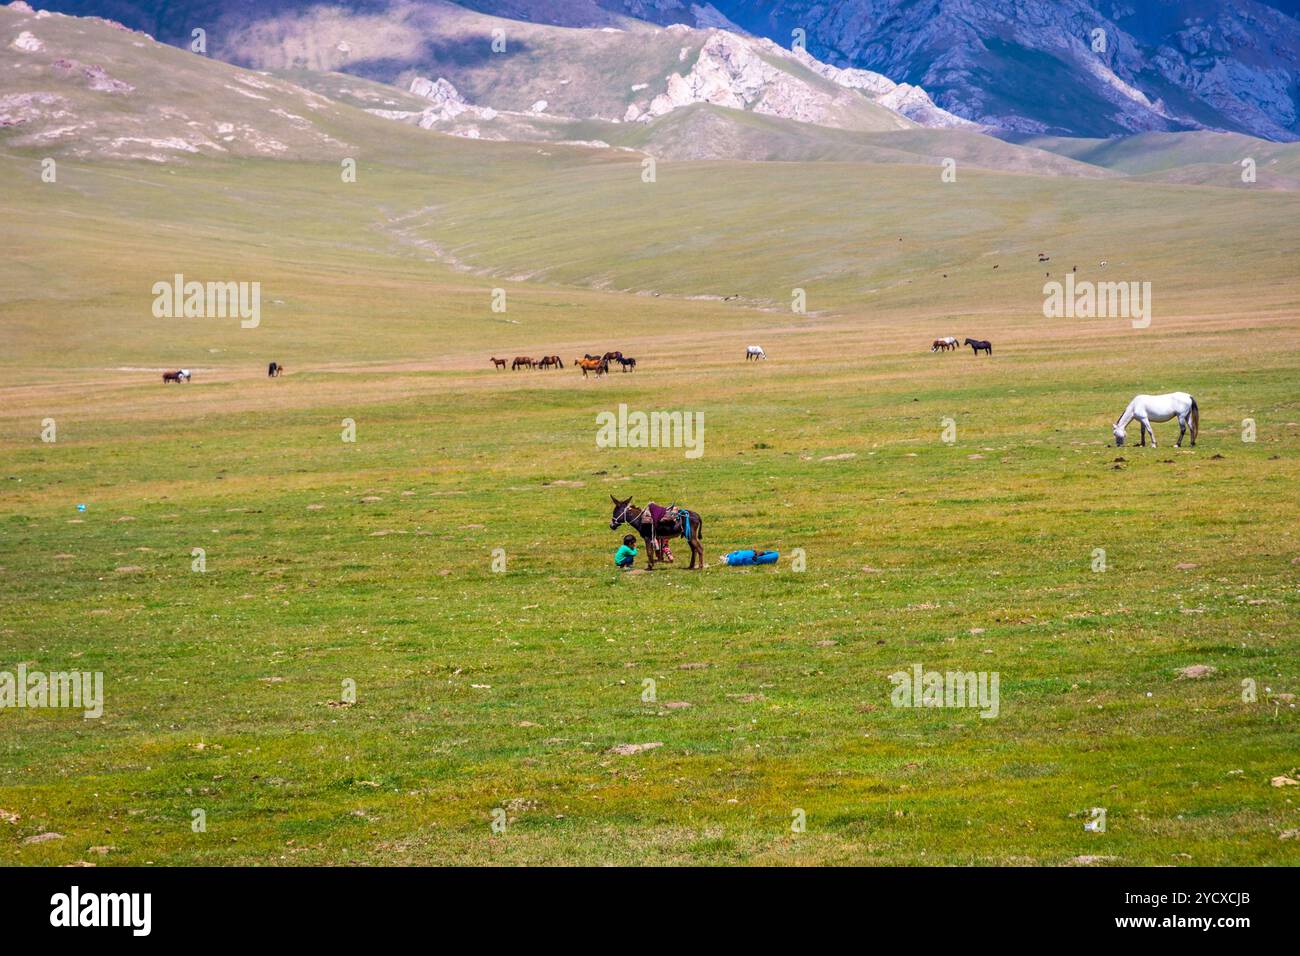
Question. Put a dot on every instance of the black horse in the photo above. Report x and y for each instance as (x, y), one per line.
(629, 364)
(639, 520)
(274, 369)
(978, 345)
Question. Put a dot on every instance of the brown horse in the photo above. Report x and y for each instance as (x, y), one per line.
(639, 520)
(498, 363)
(550, 361)
(611, 356)
(177, 377)
(598, 365)
(522, 361)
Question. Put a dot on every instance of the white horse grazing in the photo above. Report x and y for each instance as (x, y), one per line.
(755, 352)
(1160, 408)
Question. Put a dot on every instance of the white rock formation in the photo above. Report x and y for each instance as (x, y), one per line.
(28, 43)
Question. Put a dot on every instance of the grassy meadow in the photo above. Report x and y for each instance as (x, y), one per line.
(481, 690)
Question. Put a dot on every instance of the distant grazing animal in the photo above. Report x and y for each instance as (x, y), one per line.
(597, 365)
(555, 360)
(612, 356)
(755, 352)
(629, 364)
(978, 345)
(173, 377)
(684, 524)
(498, 363)
(947, 343)
(1160, 408)
(522, 361)
(546, 361)
(590, 356)
(274, 370)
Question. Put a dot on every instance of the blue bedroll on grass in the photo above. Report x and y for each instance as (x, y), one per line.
(749, 556)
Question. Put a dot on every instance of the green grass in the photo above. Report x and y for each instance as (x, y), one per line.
(219, 684)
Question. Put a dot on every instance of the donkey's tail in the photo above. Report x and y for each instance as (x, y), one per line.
(1196, 420)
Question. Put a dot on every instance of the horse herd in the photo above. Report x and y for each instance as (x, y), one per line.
(588, 363)
(180, 375)
(949, 343)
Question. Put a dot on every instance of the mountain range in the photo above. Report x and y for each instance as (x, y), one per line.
(1089, 68)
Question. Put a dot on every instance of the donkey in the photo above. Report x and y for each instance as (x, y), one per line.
(1160, 408)
(641, 521)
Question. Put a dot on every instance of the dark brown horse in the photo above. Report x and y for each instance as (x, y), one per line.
(979, 345)
(274, 370)
(612, 356)
(173, 377)
(522, 361)
(629, 364)
(498, 363)
(640, 522)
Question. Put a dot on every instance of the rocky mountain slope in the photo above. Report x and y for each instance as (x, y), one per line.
(1041, 66)
(85, 87)
(91, 88)
(625, 70)
(1017, 66)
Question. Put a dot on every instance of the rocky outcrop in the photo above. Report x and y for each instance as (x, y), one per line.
(749, 73)
(1072, 67)
(447, 105)
(904, 98)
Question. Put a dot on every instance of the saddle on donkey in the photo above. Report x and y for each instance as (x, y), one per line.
(669, 521)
